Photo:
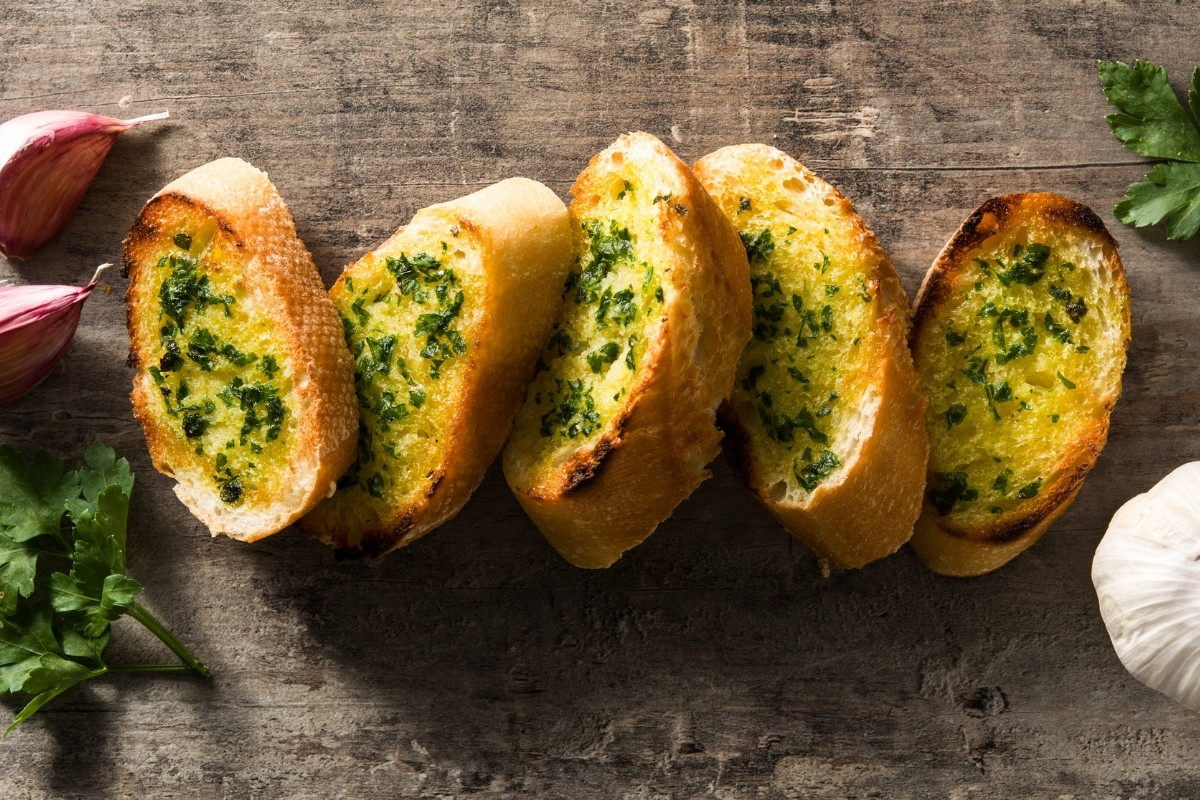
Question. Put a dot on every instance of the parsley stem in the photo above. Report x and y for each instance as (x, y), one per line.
(138, 612)
(149, 668)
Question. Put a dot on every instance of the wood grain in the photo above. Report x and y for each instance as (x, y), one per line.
(714, 660)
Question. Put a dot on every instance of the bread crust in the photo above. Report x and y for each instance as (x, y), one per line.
(610, 495)
(868, 511)
(524, 238)
(280, 273)
(965, 551)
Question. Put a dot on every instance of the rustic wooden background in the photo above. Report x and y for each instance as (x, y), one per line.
(714, 660)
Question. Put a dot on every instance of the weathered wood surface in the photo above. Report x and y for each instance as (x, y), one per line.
(714, 660)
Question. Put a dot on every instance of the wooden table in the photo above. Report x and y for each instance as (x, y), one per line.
(714, 660)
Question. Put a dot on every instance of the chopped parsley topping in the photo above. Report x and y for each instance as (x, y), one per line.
(185, 294)
(1008, 334)
(955, 414)
(427, 281)
(1026, 341)
(949, 489)
(781, 427)
(184, 287)
(1059, 332)
(575, 413)
(864, 293)
(604, 356)
(1030, 489)
(1027, 265)
(606, 312)
(811, 475)
(759, 246)
(997, 392)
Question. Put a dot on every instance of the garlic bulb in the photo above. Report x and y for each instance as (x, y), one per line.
(36, 325)
(47, 162)
(1147, 577)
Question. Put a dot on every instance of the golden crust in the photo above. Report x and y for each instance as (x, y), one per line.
(522, 231)
(964, 551)
(254, 222)
(868, 513)
(609, 496)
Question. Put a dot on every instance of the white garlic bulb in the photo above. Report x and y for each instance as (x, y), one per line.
(1147, 578)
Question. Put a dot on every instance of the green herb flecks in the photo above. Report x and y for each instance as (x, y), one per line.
(812, 474)
(781, 427)
(603, 356)
(949, 489)
(1025, 343)
(999, 392)
(1030, 489)
(428, 281)
(955, 414)
(759, 246)
(607, 246)
(56, 612)
(1059, 332)
(185, 287)
(574, 414)
(1026, 266)
(261, 406)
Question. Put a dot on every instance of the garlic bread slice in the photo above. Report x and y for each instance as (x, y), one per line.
(445, 321)
(1020, 335)
(244, 386)
(617, 428)
(825, 425)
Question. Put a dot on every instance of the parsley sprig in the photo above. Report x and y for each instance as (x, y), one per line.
(62, 575)
(1153, 123)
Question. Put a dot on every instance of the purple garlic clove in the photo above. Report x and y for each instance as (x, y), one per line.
(47, 161)
(37, 324)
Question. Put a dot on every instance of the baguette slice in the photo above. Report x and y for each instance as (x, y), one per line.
(244, 386)
(446, 320)
(618, 428)
(1021, 330)
(825, 425)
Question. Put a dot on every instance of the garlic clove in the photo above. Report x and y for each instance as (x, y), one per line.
(47, 161)
(37, 324)
(1147, 577)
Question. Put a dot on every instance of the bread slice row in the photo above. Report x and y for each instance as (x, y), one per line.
(623, 323)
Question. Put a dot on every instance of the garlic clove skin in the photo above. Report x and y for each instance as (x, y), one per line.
(37, 323)
(47, 161)
(1147, 577)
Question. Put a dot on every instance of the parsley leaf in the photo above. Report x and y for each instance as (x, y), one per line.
(1155, 124)
(55, 617)
(1171, 189)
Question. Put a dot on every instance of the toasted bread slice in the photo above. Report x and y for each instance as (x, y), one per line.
(618, 428)
(446, 320)
(244, 386)
(825, 424)
(1020, 335)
